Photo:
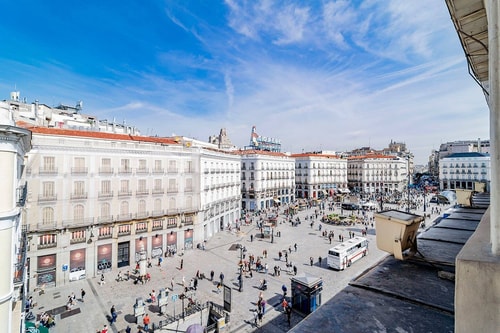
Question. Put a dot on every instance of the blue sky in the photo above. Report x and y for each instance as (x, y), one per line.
(318, 75)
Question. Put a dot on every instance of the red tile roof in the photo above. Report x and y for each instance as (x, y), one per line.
(96, 135)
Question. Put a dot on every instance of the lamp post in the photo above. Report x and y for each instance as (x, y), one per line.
(408, 186)
(240, 277)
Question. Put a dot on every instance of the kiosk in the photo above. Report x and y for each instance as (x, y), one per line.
(306, 293)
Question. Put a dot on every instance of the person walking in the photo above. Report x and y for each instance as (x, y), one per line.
(82, 293)
(145, 321)
(182, 263)
(221, 277)
(311, 260)
(212, 273)
(113, 314)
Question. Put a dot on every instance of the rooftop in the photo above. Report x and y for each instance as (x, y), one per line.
(395, 295)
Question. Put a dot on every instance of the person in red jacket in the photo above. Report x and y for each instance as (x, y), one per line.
(146, 320)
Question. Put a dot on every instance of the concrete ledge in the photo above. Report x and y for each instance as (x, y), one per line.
(477, 287)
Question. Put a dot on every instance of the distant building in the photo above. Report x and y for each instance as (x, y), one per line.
(222, 141)
(375, 173)
(319, 175)
(461, 170)
(267, 179)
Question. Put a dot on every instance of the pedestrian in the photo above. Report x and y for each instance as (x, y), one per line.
(255, 318)
(102, 280)
(104, 329)
(283, 288)
(280, 255)
(263, 303)
(182, 263)
(295, 246)
(160, 259)
(195, 284)
(319, 260)
(251, 238)
(145, 321)
(172, 283)
(259, 315)
(294, 270)
(221, 277)
(128, 329)
(284, 304)
(82, 293)
(311, 260)
(113, 314)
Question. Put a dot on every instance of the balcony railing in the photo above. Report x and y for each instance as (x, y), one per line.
(77, 240)
(124, 193)
(172, 190)
(172, 170)
(140, 193)
(158, 171)
(47, 171)
(142, 171)
(105, 171)
(105, 219)
(46, 246)
(158, 191)
(124, 217)
(142, 215)
(78, 222)
(78, 196)
(104, 195)
(188, 189)
(125, 171)
(47, 197)
(156, 213)
(79, 171)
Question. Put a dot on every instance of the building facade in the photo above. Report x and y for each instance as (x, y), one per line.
(318, 175)
(100, 201)
(462, 170)
(267, 179)
(15, 142)
(377, 173)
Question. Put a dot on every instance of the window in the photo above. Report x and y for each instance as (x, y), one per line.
(141, 186)
(48, 189)
(105, 232)
(171, 203)
(78, 212)
(77, 235)
(157, 205)
(141, 227)
(125, 165)
(47, 240)
(47, 215)
(106, 186)
(79, 188)
(124, 208)
(141, 206)
(106, 163)
(157, 185)
(142, 165)
(124, 229)
(157, 224)
(124, 186)
(49, 163)
(171, 222)
(105, 210)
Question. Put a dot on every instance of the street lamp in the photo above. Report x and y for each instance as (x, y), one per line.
(408, 186)
(240, 278)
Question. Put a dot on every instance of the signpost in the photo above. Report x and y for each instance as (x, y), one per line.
(65, 269)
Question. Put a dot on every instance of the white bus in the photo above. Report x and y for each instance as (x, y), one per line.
(344, 254)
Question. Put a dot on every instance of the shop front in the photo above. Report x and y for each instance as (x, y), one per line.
(188, 239)
(46, 271)
(77, 265)
(171, 243)
(104, 255)
(156, 246)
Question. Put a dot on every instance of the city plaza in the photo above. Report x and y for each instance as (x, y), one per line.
(219, 255)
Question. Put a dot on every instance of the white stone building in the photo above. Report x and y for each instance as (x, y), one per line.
(15, 142)
(318, 175)
(377, 173)
(110, 200)
(462, 170)
(267, 179)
